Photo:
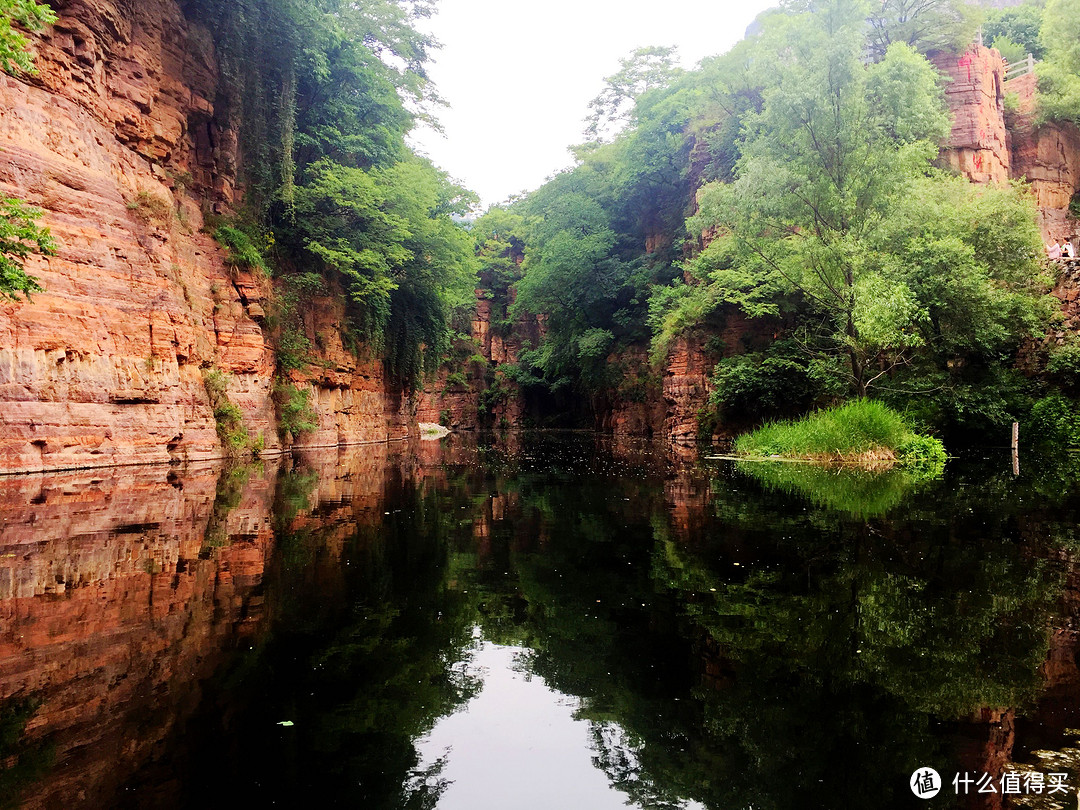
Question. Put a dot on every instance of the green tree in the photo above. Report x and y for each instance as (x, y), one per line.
(925, 25)
(324, 93)
(19, 233)
(31, 16)
(405, 265)
(500, 249)
(836, 201)
(643, 70)
(832, 148)
(1019, 24)
(575, 278)
(1059, 74)
(20, 236)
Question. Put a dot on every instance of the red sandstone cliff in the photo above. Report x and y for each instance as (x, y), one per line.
(454, 398)
(116, 141)
(993, 142)
(978, 144)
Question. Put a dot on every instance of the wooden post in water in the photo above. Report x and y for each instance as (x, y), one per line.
(1016, 448)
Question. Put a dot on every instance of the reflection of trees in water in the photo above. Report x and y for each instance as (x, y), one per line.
(833, 654)
(358, 655)
(21, 763)
(846, 637)
(812, 674)
(857, 493)
(1065, 760)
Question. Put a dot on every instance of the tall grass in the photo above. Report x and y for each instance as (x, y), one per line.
(858, 431)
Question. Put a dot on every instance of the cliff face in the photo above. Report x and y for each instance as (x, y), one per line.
(978, 144)
(116, 141)
(992, 142)
(469, 392)
(1047, 157)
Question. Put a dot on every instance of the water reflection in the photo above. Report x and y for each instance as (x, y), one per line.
(553, 621)
(519, 738)
(108, 604)
(855, 492)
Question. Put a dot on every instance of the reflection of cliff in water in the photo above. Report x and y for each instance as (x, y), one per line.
(110, 599)
(729, 641)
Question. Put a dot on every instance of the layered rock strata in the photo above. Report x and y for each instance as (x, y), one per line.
(978, 145)
(117, 142)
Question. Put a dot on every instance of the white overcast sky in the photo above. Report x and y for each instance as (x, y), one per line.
(519, 74)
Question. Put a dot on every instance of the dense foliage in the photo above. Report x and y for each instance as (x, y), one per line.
(1015, 31)
(20, 235)
(860, 430)
(793, 182)
(1059, 75)
(324, 93)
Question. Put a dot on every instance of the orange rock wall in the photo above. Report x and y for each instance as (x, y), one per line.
(1048, 158)
(989, 144)
(122, 591)
(978, 144)
(457, 405)
(351, 396)
(636, 406)
(116, 141)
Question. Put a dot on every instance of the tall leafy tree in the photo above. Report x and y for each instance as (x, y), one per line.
(830, 168)
(1019, 25)
(573, 277)
(645, 69)
(891, 276)
(926, 25)
(1059, 75)
(325, 92)
(821, 164)
(405, 265)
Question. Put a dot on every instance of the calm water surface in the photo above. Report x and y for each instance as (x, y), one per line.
(544, 621)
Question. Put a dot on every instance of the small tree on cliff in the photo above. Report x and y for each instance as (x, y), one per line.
(645, 69)
(19, 237)
(19, 233)
(31, 16)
